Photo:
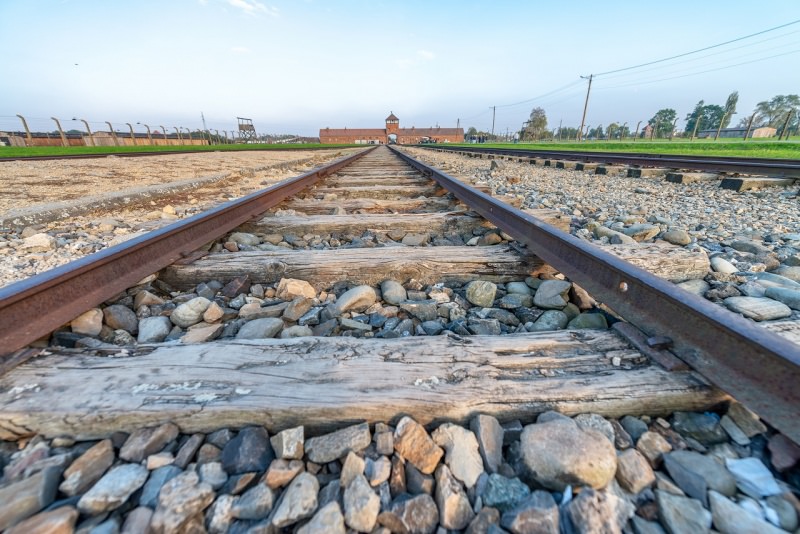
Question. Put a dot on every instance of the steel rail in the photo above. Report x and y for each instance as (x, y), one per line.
(162, 153)
(772, 167)
(757, 367)
(31, 308)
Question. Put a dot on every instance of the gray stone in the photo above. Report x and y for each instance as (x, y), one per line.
(327, 520)
(155, 482)
(696, 473)
(633, 471)
(38, 243)
(393, 292)
(121, 317)
(697, 287)
(677, 237)
(357, 299)
(189, 313)
(296, 331)
(350, 324)
(512, 301)
(588, 321)
(789, 297)
(489, 434)
(414, 444)
(746, 420)
(790, 272)
(146, 441)
(538, 514)
(179, 503)
(202, 332)
(416, 515)
(774, 280)
(298, 307)
(288, 444)
(682, 515)
(88, 468)
(558, 453)
(418, 482)
(634, 426)
(481, 293)
(188, 450)
(432, 328)
(733, 519)
(212, 474)
(377, 471)
(218, 517)
(255, 503)
(311, 317)
(462, 456)
(643, 526)
(487, 521)
(352, 467)
(749, 246)
(330, 447)
(242, 238)
(786, 512)
(721, 265)
(416, 240)
(455, 511)
(753, 478)
(299, 501)
(22, 499)
(596, 422)
(518, 288)
(642, 232)
(248, 451)
(613, 236)
(734, 431)
(113, 489)
(599, 512)
(704, 427)
(504, 493)
(264, 328)
(550, 320)
(424, 310)
(484, 327)
(552, 295)
(758, 309)
(361, 505)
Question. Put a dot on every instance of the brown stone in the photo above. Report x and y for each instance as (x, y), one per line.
(88, 468)
(785, 453)
(281, 472)
(633, 471)
(414, 444)
(26, 497)
(59, 521)
(653, 446)
(146, 441)
(240, 284)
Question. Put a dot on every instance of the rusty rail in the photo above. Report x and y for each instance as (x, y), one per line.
(759, 368)
(769, 166)
(38, 305)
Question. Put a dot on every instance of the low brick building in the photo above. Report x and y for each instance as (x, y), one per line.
(391, 134)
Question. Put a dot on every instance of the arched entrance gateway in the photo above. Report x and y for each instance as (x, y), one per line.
(390, 135)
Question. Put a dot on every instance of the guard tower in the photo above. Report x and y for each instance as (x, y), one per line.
(392, 124)
(247, 132)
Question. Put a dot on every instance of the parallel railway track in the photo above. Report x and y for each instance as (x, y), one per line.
(768, 166)
(753, 365)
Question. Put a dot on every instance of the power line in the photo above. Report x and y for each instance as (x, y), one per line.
(699, 50)
(702, 71)
(562, 88)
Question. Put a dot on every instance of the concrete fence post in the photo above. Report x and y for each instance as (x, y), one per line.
(27, 130)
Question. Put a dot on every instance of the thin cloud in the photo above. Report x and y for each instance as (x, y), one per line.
(240, 50)
(254, 7)
(425, 54)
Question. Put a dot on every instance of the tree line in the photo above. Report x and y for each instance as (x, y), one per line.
(781, 112)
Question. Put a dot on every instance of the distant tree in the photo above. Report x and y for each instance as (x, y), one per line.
(773, 112)
(662, 121)
(709, 117)
(692, 117)
(472, 131)
(595, 133)
(537, 124)
(730, 108)
(567, 133)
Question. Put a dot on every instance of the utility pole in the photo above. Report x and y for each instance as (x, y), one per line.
(494, 108)
(559, 129)
(784, 132)
(585, 105)
(749, 125)
(458, 123)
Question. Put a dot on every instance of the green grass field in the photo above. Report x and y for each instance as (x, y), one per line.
(750, 148)
(21, 152)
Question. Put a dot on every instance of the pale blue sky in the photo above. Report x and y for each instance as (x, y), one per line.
(296, 66)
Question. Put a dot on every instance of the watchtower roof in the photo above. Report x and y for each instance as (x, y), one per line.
(391, 117)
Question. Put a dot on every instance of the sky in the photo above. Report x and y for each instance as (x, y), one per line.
(301, 65)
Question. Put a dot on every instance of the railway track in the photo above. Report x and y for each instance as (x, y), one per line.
(789, 168)
(287, 319)
(135, 154)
